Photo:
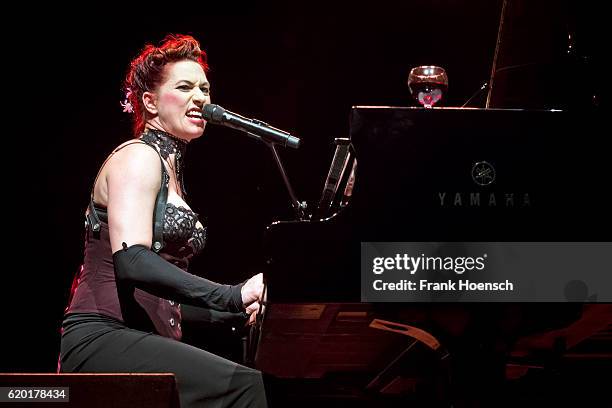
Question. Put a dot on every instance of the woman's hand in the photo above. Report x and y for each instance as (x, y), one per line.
(252, 310)
(252, 290)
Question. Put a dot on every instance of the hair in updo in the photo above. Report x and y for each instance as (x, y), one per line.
(146, 70)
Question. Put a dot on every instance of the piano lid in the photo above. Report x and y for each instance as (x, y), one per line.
(476, 174)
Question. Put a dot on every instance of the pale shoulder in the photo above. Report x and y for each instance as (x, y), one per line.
(134, 161)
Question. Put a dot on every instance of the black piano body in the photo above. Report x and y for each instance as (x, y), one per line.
(419, 177)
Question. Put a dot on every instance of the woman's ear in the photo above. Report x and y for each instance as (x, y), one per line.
(149, 101)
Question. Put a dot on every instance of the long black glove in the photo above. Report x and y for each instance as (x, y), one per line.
(144, 269)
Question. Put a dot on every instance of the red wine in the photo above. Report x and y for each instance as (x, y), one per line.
(428, 93)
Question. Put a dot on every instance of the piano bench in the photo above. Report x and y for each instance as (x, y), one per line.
(118, 390)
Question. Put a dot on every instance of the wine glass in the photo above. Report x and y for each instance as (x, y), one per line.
(427, 84)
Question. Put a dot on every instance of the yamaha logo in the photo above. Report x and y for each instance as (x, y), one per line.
(483, 173)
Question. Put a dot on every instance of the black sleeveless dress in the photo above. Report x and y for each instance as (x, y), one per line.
(107, 331)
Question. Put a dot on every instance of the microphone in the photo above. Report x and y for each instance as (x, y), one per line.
(256, 128)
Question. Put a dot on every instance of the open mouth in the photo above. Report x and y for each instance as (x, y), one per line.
(194, 114)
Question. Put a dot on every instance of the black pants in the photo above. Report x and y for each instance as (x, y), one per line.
(93, 343)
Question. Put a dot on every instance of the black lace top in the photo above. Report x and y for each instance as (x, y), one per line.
(182, 236)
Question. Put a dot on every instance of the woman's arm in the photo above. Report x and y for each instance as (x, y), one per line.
(133, 179)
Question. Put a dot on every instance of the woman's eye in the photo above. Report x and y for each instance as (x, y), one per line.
(184, 87)
(205, 91)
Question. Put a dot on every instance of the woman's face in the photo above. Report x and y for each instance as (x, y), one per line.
(180, 98)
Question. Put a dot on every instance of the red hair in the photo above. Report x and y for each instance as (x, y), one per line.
(146, 70)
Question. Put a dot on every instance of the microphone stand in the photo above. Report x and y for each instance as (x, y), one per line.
(298, 206)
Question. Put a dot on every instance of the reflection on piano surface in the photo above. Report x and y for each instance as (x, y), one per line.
(406, 174)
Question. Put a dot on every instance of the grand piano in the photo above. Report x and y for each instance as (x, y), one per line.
(411, 174)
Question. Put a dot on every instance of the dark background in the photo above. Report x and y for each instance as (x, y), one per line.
(300, 71)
